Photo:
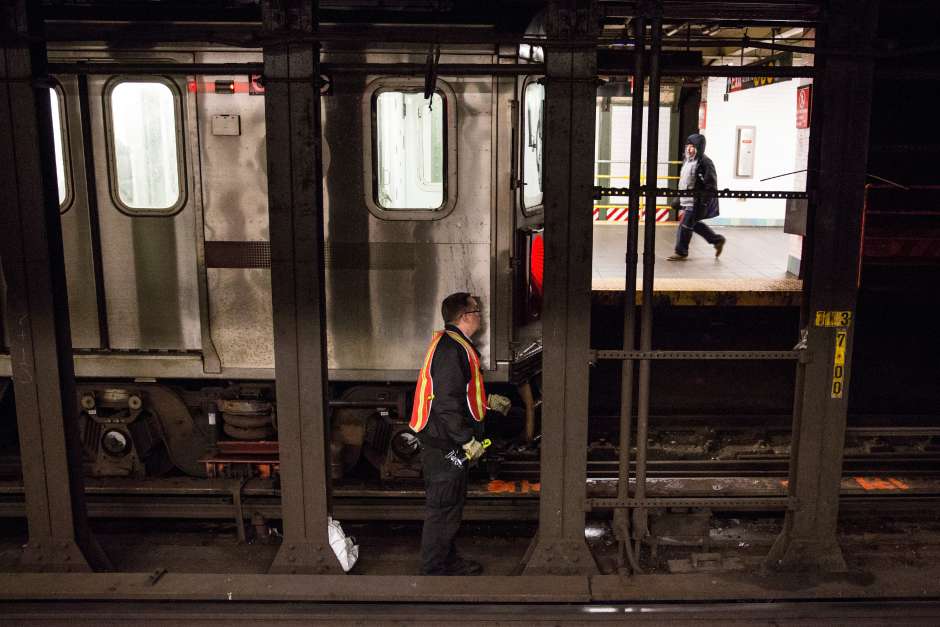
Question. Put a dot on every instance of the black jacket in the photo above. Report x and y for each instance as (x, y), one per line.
(450, 422)
(706, 180)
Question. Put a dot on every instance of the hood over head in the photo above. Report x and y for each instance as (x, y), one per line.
(698, 141)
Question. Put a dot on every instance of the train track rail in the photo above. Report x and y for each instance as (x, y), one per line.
(882, 480)
(750, 466)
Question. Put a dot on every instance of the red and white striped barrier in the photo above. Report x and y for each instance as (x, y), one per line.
(620, 214)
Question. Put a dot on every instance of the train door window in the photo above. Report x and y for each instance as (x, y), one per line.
(412, 156)
(532, 121)
(59, 139)
(409, 158)
(143, 118)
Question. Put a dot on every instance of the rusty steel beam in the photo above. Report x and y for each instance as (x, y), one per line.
(295, 193)
(37, 306)
(570, 96)
(842, 113)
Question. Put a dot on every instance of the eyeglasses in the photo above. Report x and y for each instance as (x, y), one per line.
(475, 311)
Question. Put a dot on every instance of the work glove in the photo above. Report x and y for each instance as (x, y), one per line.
(499, 403)
(474, 449)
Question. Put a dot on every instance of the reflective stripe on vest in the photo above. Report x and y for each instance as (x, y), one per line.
(424, 390)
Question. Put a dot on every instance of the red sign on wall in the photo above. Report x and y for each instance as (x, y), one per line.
(702, 115)
(804, 103)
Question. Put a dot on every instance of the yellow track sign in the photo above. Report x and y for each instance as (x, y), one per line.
(838, 364)
(841, 321)
(833, 318)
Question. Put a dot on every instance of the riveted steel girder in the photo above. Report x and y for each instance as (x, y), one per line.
(37, 306)
(295, 198)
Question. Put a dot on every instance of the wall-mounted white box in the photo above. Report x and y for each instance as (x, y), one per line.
(228, 124)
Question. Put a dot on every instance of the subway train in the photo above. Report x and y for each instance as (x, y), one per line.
(161, 164)
(164, 208)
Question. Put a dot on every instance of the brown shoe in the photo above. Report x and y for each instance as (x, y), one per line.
(677, 257)
(720, 246)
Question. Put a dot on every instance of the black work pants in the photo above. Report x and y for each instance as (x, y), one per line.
(446, 494)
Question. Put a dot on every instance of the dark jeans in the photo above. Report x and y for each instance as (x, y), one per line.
(690, 225)
(445, 495)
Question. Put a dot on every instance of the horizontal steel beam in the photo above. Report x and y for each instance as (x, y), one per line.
(143, 365)
(412, 69)
(741, 13)
(697, 355)
(404, 69)
(346, 509)
(250, 35)
(688, 193)
(744, 71)
(119, 67)
(743, 503)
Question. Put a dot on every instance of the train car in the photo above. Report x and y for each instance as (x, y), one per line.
(164, 209)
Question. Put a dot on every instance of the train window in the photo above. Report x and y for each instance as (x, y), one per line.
(532, 120)
(59, 136)
(143, 117)
(411, 150)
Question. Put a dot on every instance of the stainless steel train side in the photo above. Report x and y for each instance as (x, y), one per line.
(185, 290)
(165, 227)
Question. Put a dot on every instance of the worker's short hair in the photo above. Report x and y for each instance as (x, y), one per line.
(456, 305)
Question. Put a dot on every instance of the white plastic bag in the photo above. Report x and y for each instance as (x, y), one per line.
(346, 552)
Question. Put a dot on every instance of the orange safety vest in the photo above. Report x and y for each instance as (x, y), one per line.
(424, 390)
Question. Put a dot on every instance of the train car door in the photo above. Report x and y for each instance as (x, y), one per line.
(77, 228)
(147, 201)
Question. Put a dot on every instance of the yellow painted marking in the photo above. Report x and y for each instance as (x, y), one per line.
(833, 318)
(838, 364)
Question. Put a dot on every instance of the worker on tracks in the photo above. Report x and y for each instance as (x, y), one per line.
(450, 404)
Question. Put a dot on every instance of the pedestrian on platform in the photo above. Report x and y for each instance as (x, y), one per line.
(450, 404)
(697, 174)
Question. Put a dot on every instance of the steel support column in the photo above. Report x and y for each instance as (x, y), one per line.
(37, 307)
(570, 98)
(640, 516)
(840, 139)
(626, 552)
(295, 195)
